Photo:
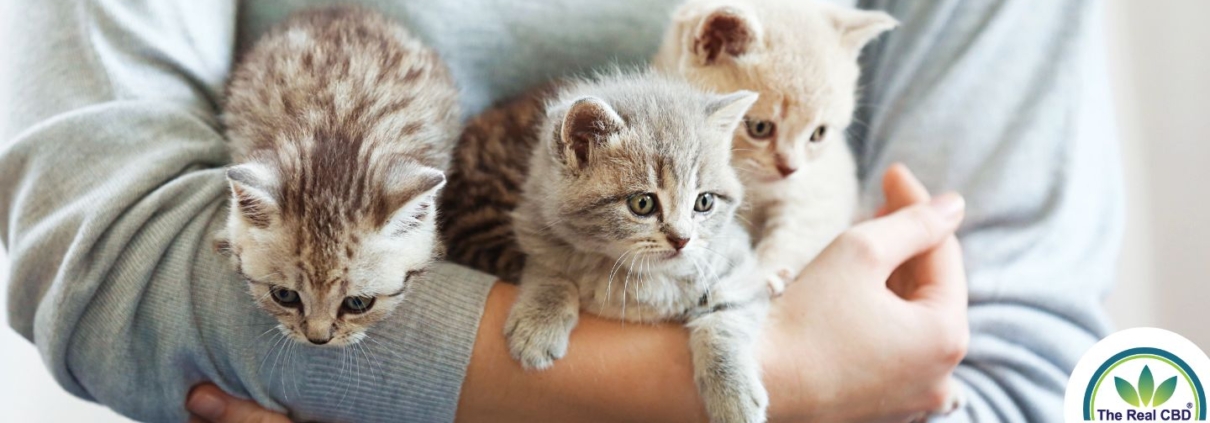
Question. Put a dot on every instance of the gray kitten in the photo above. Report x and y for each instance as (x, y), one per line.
(627, 213)
(341, 125)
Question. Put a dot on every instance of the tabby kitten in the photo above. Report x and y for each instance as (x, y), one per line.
(341, 125)
(801, 56)
(489, 166)
(627, 213)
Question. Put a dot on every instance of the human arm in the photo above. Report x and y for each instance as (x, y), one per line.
(823, 359)
(838, 346)
(1005, 102)
(111, 189)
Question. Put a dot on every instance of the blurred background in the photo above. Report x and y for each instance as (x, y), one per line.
(1158, 58)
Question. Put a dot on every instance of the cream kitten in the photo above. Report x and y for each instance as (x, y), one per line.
(801, 56)
(627, 213)
(341, 125)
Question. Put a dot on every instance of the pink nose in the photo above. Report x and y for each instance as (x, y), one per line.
(785, 170)
(678, 243)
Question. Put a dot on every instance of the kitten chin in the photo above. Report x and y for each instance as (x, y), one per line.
(341, 125)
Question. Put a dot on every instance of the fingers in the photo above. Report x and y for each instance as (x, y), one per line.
(941, 278)
(901, 188)
(888, 242)
(208, 403)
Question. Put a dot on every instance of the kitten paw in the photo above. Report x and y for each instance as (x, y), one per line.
(953, 403)
(777, 281)
(534, 343)
(746, 401)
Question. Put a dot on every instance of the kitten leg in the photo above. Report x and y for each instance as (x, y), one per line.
(541, 321)
(788, 243)
(780, 256)
(724, 364)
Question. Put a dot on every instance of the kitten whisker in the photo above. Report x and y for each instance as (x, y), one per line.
(343, 365)
(276, 351)
(365, 351)
(613, 270)
(291, 355)
(720, 255)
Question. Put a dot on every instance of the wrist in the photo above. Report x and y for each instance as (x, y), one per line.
(782, 367)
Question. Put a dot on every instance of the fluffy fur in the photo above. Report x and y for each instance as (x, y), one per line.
(595, 240)
(489, 167)
(801, 56)
(341, 126)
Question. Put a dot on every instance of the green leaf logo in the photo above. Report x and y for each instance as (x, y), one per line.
(1146, 386)
(1147, 393)
(1164, 392)
(1126, 391)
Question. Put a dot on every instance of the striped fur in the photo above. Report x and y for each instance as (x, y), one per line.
(341, 126)
(489, 167)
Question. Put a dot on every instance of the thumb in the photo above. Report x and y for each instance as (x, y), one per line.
(215, 406)
(891, 240)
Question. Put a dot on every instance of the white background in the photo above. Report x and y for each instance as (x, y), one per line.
(1160, 63)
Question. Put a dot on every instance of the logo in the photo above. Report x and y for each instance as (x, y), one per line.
(1141, 374)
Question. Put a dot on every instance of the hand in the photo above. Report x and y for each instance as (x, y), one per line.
(210, 404)
(873, 328)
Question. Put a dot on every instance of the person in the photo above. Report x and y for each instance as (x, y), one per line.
(111, 185)
(913, 248)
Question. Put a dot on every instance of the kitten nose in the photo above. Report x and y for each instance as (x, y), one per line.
(318, 341)
(677, 242)
(785, 169)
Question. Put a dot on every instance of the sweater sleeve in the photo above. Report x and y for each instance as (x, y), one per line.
(1007, 103)
(111, 189)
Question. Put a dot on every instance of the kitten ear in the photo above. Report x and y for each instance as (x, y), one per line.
(588, 124)
(726, 31)
(409, 201)
(726, 111)
(252, 186)
(857, 27)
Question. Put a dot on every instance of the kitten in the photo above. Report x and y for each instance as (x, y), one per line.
(341, 125)
(489, 167)
(627, 213)
(801, 56)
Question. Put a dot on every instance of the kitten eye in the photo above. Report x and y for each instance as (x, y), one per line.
(357, 305)
(760, 129)
(285, 297)
(819, 133)
(641, 204)
(704, 202)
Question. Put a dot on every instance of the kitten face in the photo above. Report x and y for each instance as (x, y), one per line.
(644, 176)
(326, 273)
(801, 56)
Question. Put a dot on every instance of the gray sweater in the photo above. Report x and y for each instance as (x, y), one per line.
(111, 186)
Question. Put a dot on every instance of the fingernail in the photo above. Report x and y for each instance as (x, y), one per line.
(950, 205)
(206, 405)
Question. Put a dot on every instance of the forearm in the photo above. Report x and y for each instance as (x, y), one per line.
(111, 189)
(612, 372)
